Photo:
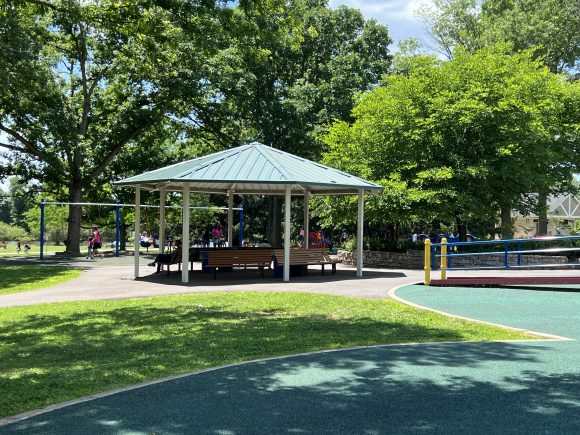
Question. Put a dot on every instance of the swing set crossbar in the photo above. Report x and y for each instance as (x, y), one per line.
(118, 206)
(133, 205)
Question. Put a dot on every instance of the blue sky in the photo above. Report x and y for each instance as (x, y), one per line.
(398, 15)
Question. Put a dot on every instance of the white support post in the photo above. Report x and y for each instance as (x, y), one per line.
(137, 228)
(230, 218)
(306, 219)
(359, 234)
(161, 241)
(287, 233)
(185, 236)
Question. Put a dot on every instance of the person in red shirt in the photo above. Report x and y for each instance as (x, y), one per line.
(97, 244)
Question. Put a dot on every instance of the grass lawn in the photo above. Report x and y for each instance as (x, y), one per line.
(55, 352)
(14, 279)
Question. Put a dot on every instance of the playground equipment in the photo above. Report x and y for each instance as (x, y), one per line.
(118, 206)
(510, 257)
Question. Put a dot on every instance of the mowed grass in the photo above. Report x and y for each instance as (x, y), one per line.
(15, 279)
(55, 352)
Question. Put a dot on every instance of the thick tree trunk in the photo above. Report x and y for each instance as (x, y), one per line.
(275, 221)
(74, 219)
(542, 214)
(506, 222)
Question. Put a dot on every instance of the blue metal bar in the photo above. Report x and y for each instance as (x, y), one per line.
(491, 242)
(42, 229)
(433, 255)
(506, 262)
(117, 228)
(528, 251)
(506, 252)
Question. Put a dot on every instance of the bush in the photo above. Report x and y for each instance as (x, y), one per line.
(11, 233)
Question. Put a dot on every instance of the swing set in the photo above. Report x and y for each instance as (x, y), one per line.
(118, 206)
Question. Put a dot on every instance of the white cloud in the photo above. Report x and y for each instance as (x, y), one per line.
(400, 16)
(387, 9)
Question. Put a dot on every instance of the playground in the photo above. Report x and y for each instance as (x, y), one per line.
(486, 387)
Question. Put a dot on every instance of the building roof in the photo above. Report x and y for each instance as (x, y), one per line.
(252, 169)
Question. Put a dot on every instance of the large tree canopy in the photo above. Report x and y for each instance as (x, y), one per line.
(550, 28)
(82, 79)
(465, 138)
(95, 90)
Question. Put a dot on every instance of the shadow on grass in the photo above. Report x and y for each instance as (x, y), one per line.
(52, 358)
(350, 392)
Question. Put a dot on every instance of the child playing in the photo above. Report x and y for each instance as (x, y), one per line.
(26, 248)
(18, 248)
(90, 247)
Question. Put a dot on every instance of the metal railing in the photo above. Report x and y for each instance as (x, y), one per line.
(447, 251)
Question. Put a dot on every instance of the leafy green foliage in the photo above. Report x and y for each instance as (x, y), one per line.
(550, 28)
(84, 80)
(11, 233)
(459, 140)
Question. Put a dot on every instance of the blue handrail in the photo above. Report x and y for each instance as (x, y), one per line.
(435, 247)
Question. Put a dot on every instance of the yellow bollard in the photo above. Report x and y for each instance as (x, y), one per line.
(443, 258)
(427, 260)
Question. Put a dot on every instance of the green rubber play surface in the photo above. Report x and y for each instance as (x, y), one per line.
(447, 388)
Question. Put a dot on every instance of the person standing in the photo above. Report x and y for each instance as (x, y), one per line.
(90, 245)
(97, 243)
(217, 235)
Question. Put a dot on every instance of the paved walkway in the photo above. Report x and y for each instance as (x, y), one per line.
(446, 388)
(112, 278)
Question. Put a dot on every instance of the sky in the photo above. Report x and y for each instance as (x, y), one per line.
(398, 15)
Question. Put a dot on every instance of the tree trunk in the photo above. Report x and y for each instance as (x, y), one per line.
(275, 221)
(542, 214)
(74, 219)
(461, 227)
(506, 222)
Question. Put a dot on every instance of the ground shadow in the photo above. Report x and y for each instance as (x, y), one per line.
(369, 391)
(253, 276)
(155, 342)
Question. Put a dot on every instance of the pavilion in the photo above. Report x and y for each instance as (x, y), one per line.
(253, 169)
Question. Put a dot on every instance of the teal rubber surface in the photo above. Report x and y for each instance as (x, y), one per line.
(445, 388)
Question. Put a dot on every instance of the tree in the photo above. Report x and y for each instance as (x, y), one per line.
(291, 68)
(550, 28)
(470, 136)
(82, 80)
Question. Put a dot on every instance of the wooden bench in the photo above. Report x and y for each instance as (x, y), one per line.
(305, 257)
(175, 259)
(3, 245)
(260, 258)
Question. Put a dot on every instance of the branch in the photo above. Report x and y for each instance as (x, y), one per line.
(44, 3)
(12, 147)
(119, 146)
(29, 147)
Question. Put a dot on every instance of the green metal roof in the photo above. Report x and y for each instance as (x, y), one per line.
(252, 169)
